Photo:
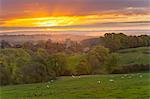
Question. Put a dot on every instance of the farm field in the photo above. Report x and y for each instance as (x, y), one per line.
(139, 55)
(131, 86)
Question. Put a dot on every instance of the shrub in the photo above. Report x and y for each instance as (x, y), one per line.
(5, 78)
(36, 72)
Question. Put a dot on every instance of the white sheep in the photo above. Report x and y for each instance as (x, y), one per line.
(47, 86)
(141, 76)
(111, 80)
(99, 82)
(73, 76)
(122, 77)
(52, 80)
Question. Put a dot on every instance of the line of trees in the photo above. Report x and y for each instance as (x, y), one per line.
(20, 65)
(121, 41)
(68, 47)
(115, 41)
(25, 66)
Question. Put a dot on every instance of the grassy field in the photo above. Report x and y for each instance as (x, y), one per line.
(139, 55)
(128, 86)
(135, 56)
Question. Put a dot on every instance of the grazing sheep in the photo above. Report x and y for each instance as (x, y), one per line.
(52, 80)
(73, 76)
(47, 86)
(141, 76)
(111, 80)
(99, 82)
(122, 77)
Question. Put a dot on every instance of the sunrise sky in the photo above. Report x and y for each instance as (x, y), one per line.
(88, 17)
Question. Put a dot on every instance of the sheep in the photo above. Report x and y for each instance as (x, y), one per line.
(52, 80)
(141, 76)
(122, 77)
(99, 82)
(111, 80)
(73, 76)
(47, 86)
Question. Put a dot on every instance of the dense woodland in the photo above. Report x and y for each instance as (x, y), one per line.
(119, 41)
(46, 60)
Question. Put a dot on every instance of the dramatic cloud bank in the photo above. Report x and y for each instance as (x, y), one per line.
(75, 15)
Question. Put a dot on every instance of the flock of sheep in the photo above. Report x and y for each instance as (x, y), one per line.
(110, 80)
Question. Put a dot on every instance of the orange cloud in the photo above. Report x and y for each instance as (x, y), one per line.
(72, 20)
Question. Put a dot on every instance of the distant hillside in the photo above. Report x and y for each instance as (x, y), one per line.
(91, 42)
(54, 37)
(138, 55)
